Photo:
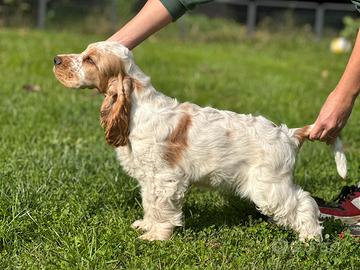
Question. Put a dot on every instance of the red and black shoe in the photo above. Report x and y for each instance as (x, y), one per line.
(345, 207)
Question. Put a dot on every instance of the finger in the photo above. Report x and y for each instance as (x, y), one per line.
(316, 133)
(330, 141)
(323, 135)
(332, 135)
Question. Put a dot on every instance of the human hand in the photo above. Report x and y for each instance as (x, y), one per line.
(332, 117)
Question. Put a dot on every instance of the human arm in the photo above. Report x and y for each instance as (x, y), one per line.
(151, 18)
(155, 15)
(338, 106)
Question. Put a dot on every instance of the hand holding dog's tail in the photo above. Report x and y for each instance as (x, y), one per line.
(300, 134)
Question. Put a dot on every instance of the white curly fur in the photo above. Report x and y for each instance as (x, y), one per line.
(246, 153)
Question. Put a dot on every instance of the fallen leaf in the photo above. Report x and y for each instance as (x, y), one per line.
(32, 87)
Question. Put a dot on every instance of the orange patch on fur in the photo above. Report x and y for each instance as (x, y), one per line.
(115, 112)
(177, 141)
(302, 133)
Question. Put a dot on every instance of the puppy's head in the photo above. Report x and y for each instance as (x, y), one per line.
(105, 66)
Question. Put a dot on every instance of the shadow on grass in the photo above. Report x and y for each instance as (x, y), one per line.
(235, 211)
(202, 212)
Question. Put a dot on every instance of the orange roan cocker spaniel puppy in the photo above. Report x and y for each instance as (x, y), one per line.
(169, 146)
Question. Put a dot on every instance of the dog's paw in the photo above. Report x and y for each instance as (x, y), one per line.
(306, 238)
(141, 225)
(156, 235)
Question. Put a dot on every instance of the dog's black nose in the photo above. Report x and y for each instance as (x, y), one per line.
(57, 61)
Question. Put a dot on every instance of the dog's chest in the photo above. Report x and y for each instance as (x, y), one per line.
(139, 161)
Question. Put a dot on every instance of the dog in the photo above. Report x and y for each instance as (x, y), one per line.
(169, 146)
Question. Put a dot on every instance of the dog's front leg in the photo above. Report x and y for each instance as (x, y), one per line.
(162, 203)
(144, 224)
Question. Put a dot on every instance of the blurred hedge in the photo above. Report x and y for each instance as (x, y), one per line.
(61, 13)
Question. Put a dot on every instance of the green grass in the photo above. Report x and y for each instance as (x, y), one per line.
(66, 204)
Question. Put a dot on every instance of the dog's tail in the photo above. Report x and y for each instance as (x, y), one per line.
(299, 135)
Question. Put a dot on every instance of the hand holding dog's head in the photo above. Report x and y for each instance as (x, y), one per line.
(105, 66)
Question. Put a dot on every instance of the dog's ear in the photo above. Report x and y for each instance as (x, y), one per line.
(115, 111)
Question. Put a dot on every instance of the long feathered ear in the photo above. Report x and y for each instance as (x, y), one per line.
(115, 111)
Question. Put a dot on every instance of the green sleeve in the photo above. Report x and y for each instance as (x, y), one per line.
(357, 4)
(177, 8)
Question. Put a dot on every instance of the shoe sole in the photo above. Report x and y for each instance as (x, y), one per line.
(346, 220)
(355, 230)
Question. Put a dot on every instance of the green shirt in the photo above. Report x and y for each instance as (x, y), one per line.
(357, 4)
(177, 8)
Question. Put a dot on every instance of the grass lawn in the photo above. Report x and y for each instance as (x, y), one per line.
(66, 204)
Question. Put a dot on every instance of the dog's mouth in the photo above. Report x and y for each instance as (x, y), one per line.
(68, 79)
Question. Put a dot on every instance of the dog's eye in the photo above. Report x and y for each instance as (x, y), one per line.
(89, 60)
(114, 98)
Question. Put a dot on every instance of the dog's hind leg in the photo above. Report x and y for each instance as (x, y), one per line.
(286, 203)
